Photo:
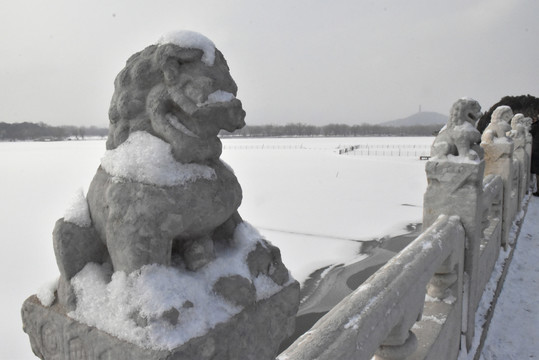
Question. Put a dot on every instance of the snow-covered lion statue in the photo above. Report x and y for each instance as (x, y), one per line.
(499, 125)
(155, 261)
(460, 137)
(519, 128)
(161, 195)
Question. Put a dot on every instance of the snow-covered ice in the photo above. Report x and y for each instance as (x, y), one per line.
(306, 199)
(293, 186)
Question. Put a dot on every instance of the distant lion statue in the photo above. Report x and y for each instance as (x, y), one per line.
(177, 94)
(460, 137)
(519, 127)
(499, 125)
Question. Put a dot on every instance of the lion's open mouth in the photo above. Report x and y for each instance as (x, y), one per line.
(474, 116)
(173, 120)
(221, 110)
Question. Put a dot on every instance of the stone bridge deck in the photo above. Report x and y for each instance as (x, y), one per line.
(513, 332)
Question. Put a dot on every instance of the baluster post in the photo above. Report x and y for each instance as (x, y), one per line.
(499, 161)
(455, 187)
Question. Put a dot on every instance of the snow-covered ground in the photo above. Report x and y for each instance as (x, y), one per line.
(514, 330)
(302, 195)
(311, 202)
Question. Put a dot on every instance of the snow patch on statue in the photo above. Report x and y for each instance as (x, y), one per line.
(147, 159)
(131, 306)
(191, 40)
(77, 211)
(217, 97)
(45, 294)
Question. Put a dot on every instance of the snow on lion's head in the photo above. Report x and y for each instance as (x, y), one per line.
(179, 90)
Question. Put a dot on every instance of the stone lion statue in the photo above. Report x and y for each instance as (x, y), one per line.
(518, 127)
(499, 124)
(180, 96)
(460, 137)
(167, 91)
(155, 256)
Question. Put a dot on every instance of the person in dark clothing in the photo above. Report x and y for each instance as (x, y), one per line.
(535, 153)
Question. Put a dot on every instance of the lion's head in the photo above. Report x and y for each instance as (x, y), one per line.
(180, 91)
(519, 128)
(499, 124)
(464, 110)
(502, 113)
(517, 121)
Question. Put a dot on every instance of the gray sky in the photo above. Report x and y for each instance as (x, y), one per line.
(310, 61)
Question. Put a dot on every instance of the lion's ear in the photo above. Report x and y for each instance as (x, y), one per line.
(169, 58)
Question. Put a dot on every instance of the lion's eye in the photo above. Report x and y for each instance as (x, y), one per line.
(198, 89)
(205, 83)
(190, 90)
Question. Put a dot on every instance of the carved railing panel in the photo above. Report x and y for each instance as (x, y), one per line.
(492, 206)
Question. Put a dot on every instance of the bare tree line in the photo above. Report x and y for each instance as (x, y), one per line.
(299, 129)
(41, 131)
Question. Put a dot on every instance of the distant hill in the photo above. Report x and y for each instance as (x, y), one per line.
(423, 118)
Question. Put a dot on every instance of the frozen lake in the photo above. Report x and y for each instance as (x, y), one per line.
(299, 192)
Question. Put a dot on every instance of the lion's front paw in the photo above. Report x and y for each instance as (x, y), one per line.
(196, 253)
(472, 155)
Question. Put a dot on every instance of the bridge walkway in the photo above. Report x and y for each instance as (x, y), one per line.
(513, 332)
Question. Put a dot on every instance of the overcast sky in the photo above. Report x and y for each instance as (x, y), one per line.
(310, 61)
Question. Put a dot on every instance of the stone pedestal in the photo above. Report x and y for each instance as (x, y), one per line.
(456, 188)
(528, 149)
(255, 333)
(523, 159)
(499, 161)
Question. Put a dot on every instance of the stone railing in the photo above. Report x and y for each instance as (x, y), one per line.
(469, 208)
(378, 316)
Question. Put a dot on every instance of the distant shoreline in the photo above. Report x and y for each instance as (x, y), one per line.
(28, 131)
(90, 138)
(254, 137)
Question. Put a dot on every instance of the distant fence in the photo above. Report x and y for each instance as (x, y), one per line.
(411, 150)
(422, 303)
(408, 150)
(267, 147)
